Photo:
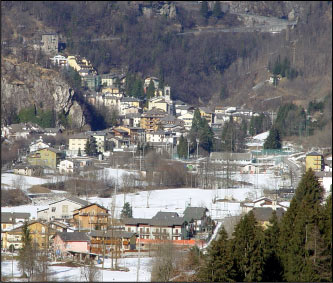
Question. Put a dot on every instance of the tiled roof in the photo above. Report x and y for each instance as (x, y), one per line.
(6, 216)
(109, 234)
(194, 213)
(74, 236)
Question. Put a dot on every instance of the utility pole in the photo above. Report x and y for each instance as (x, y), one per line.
(197, 140)
(138, 268)
(188, 148)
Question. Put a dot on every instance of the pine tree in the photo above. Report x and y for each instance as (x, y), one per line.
(217, 12)
(150, 90)
(127, 211)
(91, 147)
(248, 249)
(182, 147)
(273, 140)
(79, 152)
(204, 9)
(218, 264)
(298, 226)
(273, 269)
(25, 254)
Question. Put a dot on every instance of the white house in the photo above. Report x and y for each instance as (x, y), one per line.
(59, 60)
(62, 209)
(69, 166)
(261, 202)
(187, 118)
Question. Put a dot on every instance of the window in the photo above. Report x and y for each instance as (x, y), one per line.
(176, 231)
(53, 209)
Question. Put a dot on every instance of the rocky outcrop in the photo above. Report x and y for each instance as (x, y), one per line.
(25, 84)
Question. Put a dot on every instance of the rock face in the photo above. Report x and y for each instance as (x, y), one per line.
(24, 84)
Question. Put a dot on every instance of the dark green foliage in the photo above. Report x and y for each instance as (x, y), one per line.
(79, 152)
(273, 140)
(44, 118)
(72, 77)
(150, 92)
(283, 68)
(182, 149)
(315, 106)
(233, 136)
(259, 124)
(248, 249)
(223, 93)
(127, 211)
(204, 9)
(218, 263)
(291, 120)
(202, 131)
(91, 147)
(217, 12)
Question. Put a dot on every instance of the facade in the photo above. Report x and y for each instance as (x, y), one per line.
(207, 114)
(187, 118)
(91, 217)
(50, 43)
(39, 144)
(40, 232)
(163, 226)
(158, 103)
(69, 166)
(28, 170)
(62, 209)
(90, 80)
(65, 242)
(76, 143)
(315, 161)
(46, 157)
(59, 60)
(151, 119)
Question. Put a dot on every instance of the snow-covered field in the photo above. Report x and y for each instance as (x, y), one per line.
(63, 273)
(10, 180)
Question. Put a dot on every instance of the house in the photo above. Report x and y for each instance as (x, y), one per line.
(261, 202)
(38, 144)
(113, 240)
(158, 103)
(325, 179)
(91, 217)
(50, 43)
(111, 101)
(207, 113)
(112, 91)
(77, 143)
(187, 118)
(40, 232)
(100, 137)
(151, 119)
(198, 220)
(264, 214)
(315, 161)
(129, 102)
(132, 119)
(109, 79)
(62, 209)
(28, 170)
(16, 131)
(160, 137)
(165, 226)
(59, 60)
(69, 166)
(60, 226)
(46, 157)
(66, 243)
(250, 169)
(230, 156)
(8, 219)
(53, 131)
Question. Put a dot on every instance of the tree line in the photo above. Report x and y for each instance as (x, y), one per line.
(296, 248)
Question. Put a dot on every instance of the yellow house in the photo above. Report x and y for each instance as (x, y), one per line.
(76, 143)
(159, 103)
(315, 161)
(40, 234)
(46, 157)
(91, 217)
(207, 114)
(151, 119)
(115, 91)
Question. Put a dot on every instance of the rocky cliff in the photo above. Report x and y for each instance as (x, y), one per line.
(25, 84)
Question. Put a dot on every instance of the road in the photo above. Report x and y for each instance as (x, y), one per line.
(296, 170)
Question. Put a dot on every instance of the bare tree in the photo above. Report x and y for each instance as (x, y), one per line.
(90, 273)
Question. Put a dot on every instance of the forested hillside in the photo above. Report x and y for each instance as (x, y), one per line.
(196, 66)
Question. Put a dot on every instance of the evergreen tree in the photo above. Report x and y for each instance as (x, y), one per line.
(204, 9)
(218, 264)
(91, 147)
(248, 249)
(79, 152)
(299, 227)
(273, 269)
(182, 149)
(26, 259)
(206, 135)
(196, 120)
(127, 211)
(228, 136)
(217, 12)
(273, 140)
(150, 90)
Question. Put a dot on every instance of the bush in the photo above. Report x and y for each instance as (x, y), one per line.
(13, 197)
